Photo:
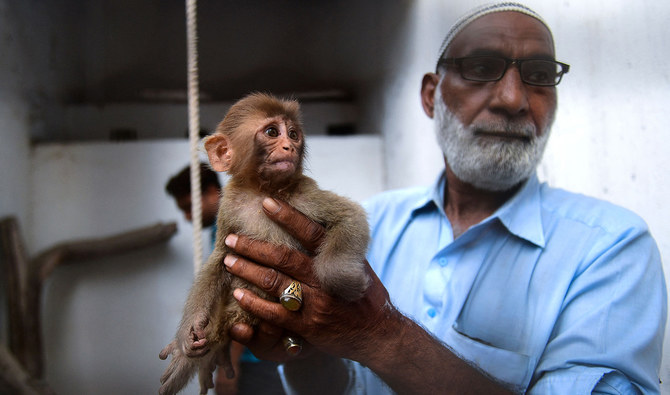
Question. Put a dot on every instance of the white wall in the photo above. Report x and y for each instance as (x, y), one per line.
(89, 122)
(105, 320)
(609, 139)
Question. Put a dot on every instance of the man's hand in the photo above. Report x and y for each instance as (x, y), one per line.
(325, 321)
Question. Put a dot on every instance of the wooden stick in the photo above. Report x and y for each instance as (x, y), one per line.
(25, 279)
(14, 379)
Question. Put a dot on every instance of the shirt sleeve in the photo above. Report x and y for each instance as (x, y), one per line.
(609, 336)
(615, 383)
(585, 380)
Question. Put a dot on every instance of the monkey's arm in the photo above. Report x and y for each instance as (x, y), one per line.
(195, 330)
(339, 258)
(194, 348)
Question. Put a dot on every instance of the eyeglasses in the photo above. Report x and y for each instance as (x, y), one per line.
(539, 72)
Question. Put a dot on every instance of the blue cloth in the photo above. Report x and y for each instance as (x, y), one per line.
(555, 293)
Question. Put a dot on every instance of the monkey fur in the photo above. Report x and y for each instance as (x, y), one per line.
(260, 143)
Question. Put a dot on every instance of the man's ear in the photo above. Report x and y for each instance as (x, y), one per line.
(429, 83)
(219, 151)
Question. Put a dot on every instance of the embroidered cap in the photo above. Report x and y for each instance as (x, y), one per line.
(479, 12)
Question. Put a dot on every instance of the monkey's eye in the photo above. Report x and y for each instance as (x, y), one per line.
(293, 135)
(271, 132)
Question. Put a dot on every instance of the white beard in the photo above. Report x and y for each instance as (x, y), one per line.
(484, 162)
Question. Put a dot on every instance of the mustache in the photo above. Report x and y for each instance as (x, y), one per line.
(517, 129)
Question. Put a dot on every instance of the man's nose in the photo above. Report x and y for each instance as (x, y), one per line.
(510, 93)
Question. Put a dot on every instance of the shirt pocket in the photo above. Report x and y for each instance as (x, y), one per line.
(514, 370)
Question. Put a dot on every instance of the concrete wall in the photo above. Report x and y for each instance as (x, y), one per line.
(105, 320)
(31, 67)
(609, 139)
(170, 120)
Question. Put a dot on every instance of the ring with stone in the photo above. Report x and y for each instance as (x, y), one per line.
(291, 298)
(292, 345)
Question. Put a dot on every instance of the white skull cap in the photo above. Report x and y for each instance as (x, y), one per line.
(479, 12)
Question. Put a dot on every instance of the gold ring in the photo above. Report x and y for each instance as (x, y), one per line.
(292, 345)
(291, 298)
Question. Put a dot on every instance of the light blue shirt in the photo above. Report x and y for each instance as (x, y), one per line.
(555, 293)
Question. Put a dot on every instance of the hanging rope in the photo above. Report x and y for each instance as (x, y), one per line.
(194, 130)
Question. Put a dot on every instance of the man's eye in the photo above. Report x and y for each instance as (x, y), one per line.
(541, 75)
(481, 68)
(271, 132)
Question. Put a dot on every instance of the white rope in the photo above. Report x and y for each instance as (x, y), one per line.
(194, 130)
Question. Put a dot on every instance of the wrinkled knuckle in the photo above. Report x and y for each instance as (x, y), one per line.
(271, 315)
(315, 233)
(285, 258)
(270, 281)
(270, 330)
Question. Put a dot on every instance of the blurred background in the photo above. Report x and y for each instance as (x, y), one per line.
(93, 121)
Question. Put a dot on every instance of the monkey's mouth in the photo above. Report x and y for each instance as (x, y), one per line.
(283, 165)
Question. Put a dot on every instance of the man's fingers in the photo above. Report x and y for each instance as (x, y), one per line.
(242, 333)
(268, 279)
(264, 340)
(269, 331)
(307, 232)
(266, 310)
(268, 337)
(281, 258)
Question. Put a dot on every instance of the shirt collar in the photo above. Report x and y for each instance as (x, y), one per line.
(521, 214)
(432, 199)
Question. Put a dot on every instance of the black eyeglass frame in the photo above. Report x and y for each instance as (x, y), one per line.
(508, 61)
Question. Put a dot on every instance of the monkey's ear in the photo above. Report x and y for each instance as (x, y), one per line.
(429, 84)
(219, 152)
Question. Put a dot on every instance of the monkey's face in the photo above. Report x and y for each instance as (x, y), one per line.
(279, 149)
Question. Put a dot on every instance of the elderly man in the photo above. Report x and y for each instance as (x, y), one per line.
(495, 281)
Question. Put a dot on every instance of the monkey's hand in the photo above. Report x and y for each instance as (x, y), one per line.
(193, 335)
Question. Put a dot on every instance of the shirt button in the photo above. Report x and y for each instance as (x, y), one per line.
(442, 262)
(431, 312)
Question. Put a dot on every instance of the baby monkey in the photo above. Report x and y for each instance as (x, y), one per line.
(260, 144)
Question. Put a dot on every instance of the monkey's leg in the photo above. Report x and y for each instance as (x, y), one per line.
(205, 370)
(223, 318)
(224, 361)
